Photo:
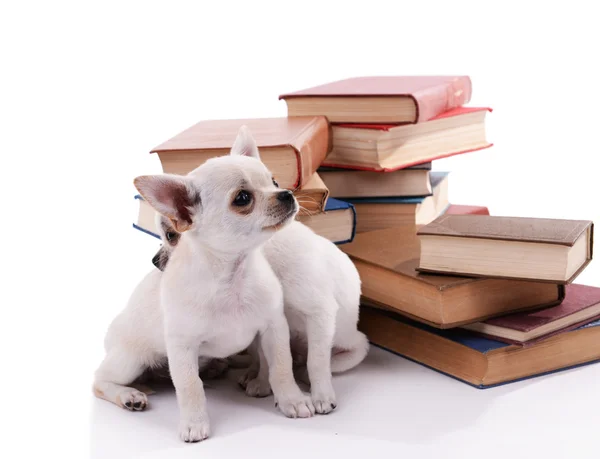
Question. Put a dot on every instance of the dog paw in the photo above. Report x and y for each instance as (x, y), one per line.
(258, 388)
(191, 432)
(323, 400)
(295, 406)
(214, 369)
(248, 375)
(133, 400)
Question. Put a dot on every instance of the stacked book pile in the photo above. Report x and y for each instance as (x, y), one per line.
(485, 299)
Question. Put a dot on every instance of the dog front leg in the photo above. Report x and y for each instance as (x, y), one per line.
(183, 366)
(320, 330)
(275, 343)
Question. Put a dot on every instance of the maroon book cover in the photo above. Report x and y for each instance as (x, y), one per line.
(577, 299)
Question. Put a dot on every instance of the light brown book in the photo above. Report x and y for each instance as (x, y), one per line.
(540, 249)
(389, 148)
(381, 99)
(380, 213)
(387, 262)
(312, 197)
(347, 183)
(478, 361)
(292, 148)
(336, 223)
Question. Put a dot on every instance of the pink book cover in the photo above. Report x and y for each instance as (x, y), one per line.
(432, 94)
(577, 298)
(461, 209)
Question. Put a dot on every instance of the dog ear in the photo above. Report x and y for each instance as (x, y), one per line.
(173, 196)
(244, 144)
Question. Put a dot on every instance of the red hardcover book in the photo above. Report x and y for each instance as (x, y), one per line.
(457, 209)
(387, 148)
(381, 99)
(580, 306)
(292, 148)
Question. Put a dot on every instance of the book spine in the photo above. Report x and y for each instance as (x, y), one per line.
(436, 100)
(312, 145)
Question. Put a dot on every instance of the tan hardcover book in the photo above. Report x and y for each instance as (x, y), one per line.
(379, 213)
(477, 361)
(387, 262)
(337, 223)
(541, 249)
(292, 148)
(345, 183)
(381, 99)
(388, 147)
(312, 197)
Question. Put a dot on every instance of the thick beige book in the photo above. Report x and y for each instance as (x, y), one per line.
(292, 148)
(380, 213)
(541, 249)
(389, 147)
(348, 183)
(387, 260)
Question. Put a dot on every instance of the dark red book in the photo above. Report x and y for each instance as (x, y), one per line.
(381, 99)
(581, 305)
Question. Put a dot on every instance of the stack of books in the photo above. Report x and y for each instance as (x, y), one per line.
(386, 131)
(484, 299)
(487, 300)
(356, 153)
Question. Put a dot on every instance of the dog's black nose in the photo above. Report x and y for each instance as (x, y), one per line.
(285, 196)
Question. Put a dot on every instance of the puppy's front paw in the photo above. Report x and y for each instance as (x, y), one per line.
(258, 388)
(323, 399)
(191, 432)
(133, 400)
(296, 405)
(248, 375)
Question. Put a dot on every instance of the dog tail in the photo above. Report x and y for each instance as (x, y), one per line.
(343, 359)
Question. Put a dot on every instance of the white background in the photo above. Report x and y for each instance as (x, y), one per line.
(88, 88)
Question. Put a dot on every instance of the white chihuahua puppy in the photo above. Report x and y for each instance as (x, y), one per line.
(217, 291)
(321, 288)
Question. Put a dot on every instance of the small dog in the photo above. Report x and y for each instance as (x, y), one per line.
(321, 288)
(217, 292)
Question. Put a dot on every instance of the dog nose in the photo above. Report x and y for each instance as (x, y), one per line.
(285, 196)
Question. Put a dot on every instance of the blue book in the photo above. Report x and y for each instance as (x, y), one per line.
(337, 223)
(475, 360)
(392, 212)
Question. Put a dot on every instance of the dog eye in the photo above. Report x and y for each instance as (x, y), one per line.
(243, 198)
(170, 235)
(275, 183)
